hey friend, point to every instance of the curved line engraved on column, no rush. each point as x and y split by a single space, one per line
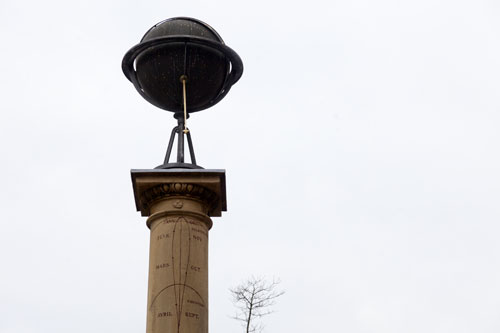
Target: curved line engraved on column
173 285
187 263
173 276
179 285
165 218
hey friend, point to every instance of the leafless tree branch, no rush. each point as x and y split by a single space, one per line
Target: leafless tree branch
253 299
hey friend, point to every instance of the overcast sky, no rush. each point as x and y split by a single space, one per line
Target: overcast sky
361 148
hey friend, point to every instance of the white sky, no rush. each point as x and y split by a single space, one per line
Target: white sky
362 155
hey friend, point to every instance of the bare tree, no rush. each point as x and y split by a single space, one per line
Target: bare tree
254 299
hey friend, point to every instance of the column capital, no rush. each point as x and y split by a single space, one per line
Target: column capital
151 185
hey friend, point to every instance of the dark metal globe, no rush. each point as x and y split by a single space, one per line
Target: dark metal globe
176 47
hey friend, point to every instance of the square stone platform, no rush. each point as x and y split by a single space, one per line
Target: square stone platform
212 179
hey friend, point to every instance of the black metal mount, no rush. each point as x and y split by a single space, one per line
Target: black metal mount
182 47
179 132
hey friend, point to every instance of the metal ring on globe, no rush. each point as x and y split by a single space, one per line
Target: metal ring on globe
155 65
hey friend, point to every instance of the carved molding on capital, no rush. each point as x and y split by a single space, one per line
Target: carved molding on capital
158 192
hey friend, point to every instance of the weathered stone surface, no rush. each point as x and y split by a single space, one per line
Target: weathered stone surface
178 205
150 183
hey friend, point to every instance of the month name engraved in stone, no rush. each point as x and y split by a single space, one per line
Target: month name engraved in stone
193 222
198 238
192 315
168 221
195 268
164 314
199 231
195 302
160 266
163 236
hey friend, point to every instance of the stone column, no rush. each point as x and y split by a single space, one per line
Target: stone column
179 204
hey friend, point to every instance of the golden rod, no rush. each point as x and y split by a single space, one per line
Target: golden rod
183 80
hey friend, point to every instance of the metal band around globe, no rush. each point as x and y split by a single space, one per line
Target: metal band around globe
232 76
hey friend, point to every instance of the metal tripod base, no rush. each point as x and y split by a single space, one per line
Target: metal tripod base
180 164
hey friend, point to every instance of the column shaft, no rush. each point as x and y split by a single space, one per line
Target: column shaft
179 205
